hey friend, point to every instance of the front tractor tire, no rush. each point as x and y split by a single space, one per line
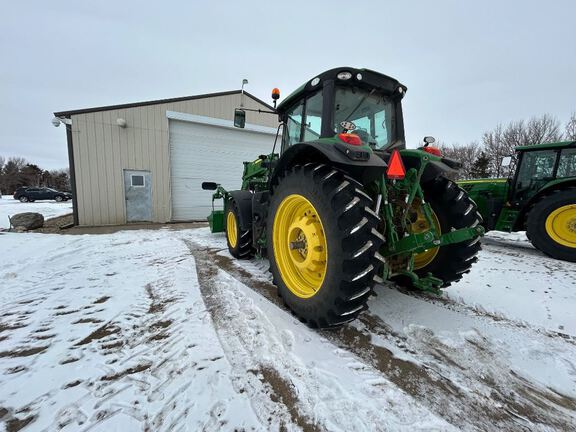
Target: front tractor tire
239 241
452 209
551 225
322 244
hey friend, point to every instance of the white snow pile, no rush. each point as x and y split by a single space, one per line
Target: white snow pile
49 209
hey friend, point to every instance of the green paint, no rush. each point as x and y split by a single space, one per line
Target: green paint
216 221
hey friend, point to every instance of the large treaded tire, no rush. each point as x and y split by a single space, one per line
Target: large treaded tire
536 224
352 239
244 248
454 210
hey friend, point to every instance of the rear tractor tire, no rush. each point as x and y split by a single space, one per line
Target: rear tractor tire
453 209
322 244
239 241
551 225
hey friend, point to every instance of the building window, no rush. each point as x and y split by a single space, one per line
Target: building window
137 180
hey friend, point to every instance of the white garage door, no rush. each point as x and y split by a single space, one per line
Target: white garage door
207 152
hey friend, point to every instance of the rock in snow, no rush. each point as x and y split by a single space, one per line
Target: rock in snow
27 221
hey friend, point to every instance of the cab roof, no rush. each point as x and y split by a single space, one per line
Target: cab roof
363 76
560 145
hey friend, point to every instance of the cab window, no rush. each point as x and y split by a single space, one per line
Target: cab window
313 113
537 165
369 110
294 124
567 165
304 120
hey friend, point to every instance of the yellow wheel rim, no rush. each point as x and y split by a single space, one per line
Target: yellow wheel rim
231 229
421 225
561 225
300 248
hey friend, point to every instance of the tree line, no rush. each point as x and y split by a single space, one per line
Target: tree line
17 171
482 159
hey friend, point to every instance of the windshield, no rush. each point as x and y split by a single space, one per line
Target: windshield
370 111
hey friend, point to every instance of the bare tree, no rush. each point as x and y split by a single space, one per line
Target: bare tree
501 141
570 129
466 154
544 129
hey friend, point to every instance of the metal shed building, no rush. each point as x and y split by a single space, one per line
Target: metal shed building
145 162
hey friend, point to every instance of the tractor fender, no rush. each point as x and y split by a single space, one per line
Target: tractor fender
553 186
360 164
435 167
447 167
243 200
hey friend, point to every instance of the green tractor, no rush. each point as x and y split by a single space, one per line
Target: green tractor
539 198
344 204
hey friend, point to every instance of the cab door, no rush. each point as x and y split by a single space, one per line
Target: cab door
536 168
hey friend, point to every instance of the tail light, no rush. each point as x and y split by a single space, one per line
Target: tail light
432 150
351 139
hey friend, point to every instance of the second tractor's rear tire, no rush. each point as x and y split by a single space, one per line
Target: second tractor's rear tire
322 244
453 210
551 225
239 241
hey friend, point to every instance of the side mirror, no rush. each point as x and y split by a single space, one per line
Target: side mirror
209 186
506 161
239 118
429 140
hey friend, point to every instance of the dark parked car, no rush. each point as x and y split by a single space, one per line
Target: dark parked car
31 194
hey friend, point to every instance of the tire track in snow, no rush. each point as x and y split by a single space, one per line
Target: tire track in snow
314 384
505 400
272 397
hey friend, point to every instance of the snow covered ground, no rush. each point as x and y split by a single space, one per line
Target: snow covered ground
162 330
49 209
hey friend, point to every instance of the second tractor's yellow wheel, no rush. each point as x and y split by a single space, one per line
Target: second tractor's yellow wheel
551 224
561 225
300 246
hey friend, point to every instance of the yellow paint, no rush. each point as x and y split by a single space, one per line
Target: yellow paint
300 247
561 225
231 229
420 225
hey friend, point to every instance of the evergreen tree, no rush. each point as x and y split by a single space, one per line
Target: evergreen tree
481 166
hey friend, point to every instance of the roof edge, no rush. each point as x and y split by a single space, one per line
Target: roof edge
67 114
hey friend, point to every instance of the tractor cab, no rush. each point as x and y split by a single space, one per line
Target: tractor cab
540 165
355 106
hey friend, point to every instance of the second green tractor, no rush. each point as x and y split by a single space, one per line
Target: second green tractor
344 204
539 197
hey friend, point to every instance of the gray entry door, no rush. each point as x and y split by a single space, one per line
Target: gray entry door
138 194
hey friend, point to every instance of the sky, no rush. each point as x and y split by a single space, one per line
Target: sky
468 65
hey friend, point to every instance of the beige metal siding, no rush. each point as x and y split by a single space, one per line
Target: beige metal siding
102 150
